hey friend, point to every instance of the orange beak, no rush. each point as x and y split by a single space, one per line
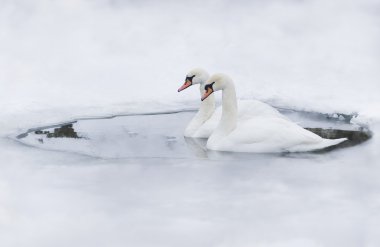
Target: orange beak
185 85
207 93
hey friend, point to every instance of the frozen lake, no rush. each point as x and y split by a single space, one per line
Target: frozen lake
134 179
174 193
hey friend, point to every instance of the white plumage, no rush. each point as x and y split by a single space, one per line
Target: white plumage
207 118
265 131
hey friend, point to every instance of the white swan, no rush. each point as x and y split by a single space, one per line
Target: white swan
207 118
199 126
261 133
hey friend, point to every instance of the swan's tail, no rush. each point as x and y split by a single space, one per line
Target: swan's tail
318 146
332 142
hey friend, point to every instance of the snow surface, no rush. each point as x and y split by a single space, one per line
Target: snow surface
66 59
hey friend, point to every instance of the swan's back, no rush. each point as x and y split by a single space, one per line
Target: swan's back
246 110
269 134
254 108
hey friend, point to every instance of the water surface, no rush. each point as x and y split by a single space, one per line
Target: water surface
161 135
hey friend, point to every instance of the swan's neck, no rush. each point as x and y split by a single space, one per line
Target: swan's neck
229 117
204 113
229 110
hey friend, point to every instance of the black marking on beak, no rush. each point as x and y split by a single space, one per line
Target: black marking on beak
208 91
188 83
190 78
209 86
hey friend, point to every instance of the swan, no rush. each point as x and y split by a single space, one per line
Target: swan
201 126
258 134
207 118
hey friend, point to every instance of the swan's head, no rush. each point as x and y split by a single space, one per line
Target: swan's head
215 83
195 76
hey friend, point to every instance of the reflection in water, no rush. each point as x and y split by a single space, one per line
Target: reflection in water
197 146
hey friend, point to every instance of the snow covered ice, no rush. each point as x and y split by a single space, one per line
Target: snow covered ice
64 60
